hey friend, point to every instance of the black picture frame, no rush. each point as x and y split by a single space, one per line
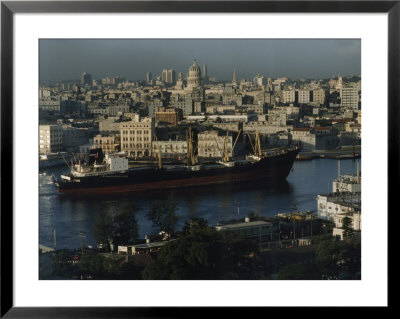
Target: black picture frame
9 8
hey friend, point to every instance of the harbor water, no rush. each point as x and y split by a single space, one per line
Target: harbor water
65 216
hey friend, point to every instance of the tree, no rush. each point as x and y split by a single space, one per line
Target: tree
120 227
347 225
125 226
163 215
327 258
61 265
299 271
252 216
194 224
205 254
92 265
102 229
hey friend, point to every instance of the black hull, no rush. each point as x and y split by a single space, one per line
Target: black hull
264 171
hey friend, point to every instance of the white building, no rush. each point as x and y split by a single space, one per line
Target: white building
355 218
256 230
331 205
288 96
194 76
50 139
212 145
347 183
136 137
169 148
349 96
303 96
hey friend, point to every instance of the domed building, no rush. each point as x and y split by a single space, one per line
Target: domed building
194 76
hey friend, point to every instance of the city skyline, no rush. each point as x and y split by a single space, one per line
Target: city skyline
293 58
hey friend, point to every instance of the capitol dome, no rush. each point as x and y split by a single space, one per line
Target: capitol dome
194 76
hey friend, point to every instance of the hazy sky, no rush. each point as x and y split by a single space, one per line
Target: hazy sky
297 58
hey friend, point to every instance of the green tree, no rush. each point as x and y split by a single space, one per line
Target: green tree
120 227
103 229
163 215
327 258
205 254
299 271
194 224
92 265
252 216
347 225
61 263
125 226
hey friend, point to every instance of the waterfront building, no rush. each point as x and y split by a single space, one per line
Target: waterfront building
331 205
148 247
316 138
169 148
347 183
212 145
355 224
136 137
106 143
50 139
256 230
73 138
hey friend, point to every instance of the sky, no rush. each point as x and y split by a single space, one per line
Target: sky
67 59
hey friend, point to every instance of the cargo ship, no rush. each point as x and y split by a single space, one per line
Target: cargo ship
112 174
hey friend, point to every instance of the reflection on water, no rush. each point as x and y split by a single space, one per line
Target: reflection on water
69 214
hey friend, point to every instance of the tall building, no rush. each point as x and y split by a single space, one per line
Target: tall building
86 79
349 96
318 96
205 75
149 77
168 76
259 80
194 76
303 96
50 139
288 96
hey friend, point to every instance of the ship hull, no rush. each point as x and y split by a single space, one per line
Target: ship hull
264 171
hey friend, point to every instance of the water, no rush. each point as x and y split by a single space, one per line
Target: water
69 215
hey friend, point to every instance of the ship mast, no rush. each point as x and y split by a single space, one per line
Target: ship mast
159 158
257 144
190 155
226 153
